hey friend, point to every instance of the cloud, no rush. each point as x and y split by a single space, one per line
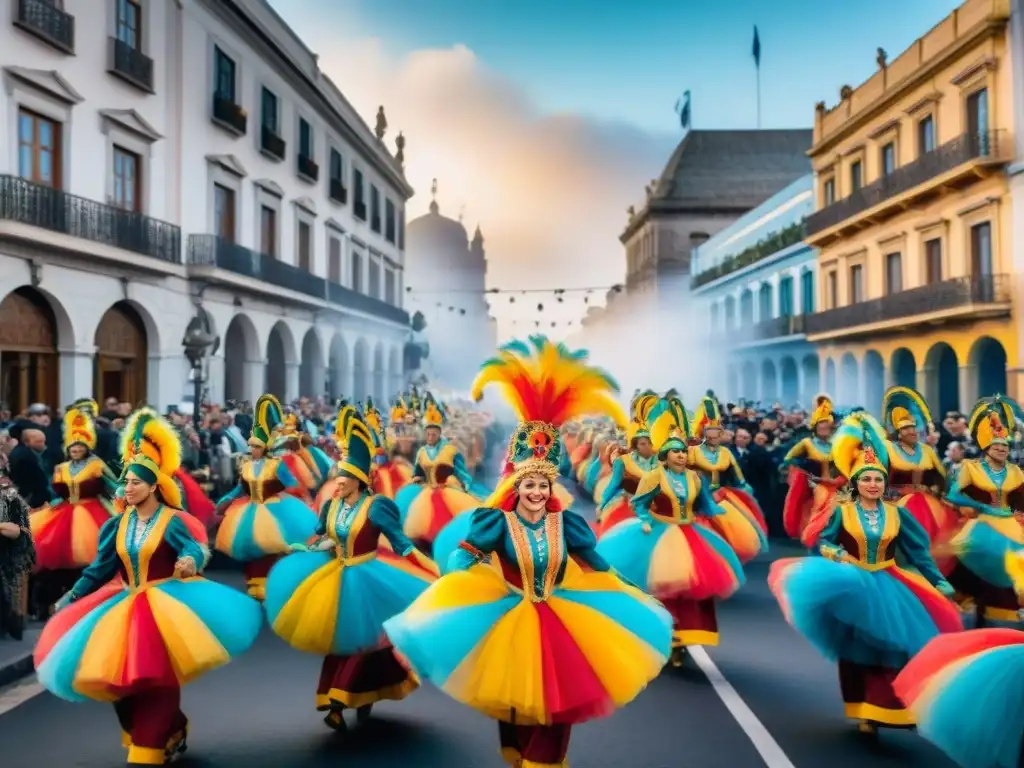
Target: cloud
549 191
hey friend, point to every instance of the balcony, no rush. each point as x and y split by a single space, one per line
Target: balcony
270 143
959 298
212 251
375 224
338 192
778 327
359 209
768 246
230 116
48 23
34 205
953 164
131 65
307 168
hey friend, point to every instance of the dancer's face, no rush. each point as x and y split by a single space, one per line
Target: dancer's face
534 492
433 435
347 486
77 452
675 460
908 435
871 484
712 436
136 490
823 430
258 451
999 452
644 447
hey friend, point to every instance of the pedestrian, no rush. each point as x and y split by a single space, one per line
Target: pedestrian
17 556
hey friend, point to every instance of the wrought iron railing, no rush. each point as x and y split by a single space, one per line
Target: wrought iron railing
47 22
51 209
131 64
338 192
942 159
936 297
227 112
271 143
308 167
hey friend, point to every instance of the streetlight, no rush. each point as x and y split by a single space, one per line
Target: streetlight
199 342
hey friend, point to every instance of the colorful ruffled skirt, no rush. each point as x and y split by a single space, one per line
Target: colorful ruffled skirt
195 500
808 505
251 530
966 694
117 641
389 478
618 511
425 510
587 650
979 572
938 519
848 613
318 604
66 535
741 523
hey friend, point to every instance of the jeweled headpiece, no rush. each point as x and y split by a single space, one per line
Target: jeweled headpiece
860 444
904 407
993 420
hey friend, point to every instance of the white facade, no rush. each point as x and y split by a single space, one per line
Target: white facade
333 324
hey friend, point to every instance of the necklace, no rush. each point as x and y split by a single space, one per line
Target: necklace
538 534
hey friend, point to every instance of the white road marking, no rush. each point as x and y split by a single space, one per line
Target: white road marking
18 693
759 736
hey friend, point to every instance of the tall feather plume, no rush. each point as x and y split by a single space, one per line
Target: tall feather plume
356 429
543 381
1007 408
858 431
268 413
341 424
147 426
706 413
912 402
642 406
681 416
663 422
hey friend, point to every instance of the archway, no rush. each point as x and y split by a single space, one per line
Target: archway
278 358
748 388
874 381
790 381
988 359
361 370
396 374
903 368
849 381
811 368
769 382
29 370
731 381
241 352
311 369
122 356
942 383
830 378
338 372
379 374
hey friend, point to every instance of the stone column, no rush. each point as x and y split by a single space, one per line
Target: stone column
254 379
167 379
928 385
291 382
215 367
76 374
968 375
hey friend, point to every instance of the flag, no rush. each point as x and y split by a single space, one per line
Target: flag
757 48
683 110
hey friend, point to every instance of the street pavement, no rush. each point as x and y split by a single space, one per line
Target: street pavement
763 698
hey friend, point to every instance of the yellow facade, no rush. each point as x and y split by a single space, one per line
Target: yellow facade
913 221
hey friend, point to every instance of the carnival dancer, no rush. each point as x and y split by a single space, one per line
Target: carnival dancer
308 464
261 520
964 690
138 639
741 522
853 603
533 629
916 475
812 477
440 484
66 532
390 473
332 599
405 433
664 550
991 491
628 467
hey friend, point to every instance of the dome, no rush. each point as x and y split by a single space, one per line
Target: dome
433 230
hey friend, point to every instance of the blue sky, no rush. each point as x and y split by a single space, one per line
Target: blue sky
631 60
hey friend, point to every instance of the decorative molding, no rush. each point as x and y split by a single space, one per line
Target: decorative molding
336 225
932 224
131 121
49 82
229 163
270 186
306 204
989 63
359 242
854 150
979 205
891 238
885 128
925 101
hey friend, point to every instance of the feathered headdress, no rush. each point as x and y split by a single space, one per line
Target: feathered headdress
151 450
993 420
398 411
414 401
87 404
79 429
823 411
706 417
904 407
267 417
433 416
372 416
359 447
546 384
641 409
669 425
860 444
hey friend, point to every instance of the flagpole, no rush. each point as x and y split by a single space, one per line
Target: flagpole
758 68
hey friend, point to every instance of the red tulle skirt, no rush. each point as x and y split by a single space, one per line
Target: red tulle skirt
66 535
808 506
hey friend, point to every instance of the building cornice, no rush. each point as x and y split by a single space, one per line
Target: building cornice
660 209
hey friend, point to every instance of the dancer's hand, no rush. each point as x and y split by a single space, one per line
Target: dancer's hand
186 567
299 548
646 528
945 588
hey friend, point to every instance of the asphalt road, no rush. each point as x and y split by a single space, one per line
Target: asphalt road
258 713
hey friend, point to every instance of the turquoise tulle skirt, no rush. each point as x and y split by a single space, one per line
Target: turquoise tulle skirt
966 694
320 605
117 641
449 539
251 530
982 544
875 618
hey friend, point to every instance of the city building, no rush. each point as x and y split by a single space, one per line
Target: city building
914 220
1016 178
753 285
137 186
447 283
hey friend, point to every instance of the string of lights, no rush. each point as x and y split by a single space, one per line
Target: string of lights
559 295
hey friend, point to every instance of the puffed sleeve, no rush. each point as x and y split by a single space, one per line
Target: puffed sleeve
798 451
181 541
913 540
285 475
614 482
385 515
581 541
461 471
958 497
104 567
646 492
828 539
486 532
